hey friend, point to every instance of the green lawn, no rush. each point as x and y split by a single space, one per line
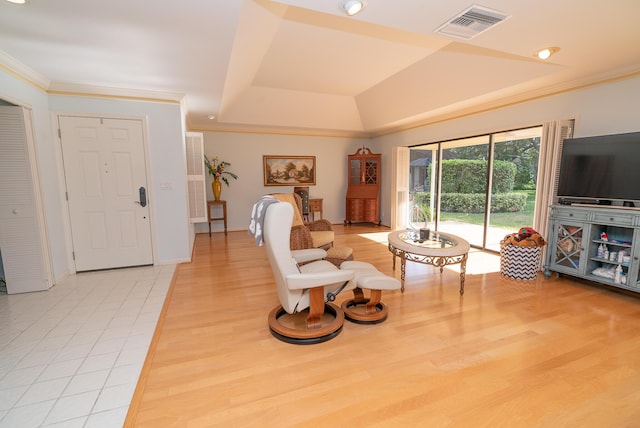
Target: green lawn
511 220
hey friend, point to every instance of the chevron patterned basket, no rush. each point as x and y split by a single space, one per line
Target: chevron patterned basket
520 262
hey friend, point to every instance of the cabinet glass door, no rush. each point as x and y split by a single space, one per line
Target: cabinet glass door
568 245
371 172
354 171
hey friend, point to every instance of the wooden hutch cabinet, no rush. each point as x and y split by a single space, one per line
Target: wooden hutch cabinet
363 191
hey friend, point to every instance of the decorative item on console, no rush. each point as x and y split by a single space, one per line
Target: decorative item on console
569 245
216 169
612 262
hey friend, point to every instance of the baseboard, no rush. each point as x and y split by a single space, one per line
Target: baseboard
62 277
172 262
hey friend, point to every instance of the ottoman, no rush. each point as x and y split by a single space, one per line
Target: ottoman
370 310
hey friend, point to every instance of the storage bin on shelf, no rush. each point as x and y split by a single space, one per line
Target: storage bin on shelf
520 254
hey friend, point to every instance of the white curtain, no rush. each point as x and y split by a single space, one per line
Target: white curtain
400 188
553 135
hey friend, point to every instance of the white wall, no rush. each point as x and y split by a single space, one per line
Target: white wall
170 220
599 110
245 151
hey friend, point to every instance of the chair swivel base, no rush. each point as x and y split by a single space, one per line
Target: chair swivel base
291 328
361 312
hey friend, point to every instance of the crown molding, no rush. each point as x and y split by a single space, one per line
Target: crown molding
21 71
71 89
277 130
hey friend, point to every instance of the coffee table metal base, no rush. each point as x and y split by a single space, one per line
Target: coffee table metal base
438 261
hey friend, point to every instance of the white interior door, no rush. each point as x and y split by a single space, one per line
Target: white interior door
105 173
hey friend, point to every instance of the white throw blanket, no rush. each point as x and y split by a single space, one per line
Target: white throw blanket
257 217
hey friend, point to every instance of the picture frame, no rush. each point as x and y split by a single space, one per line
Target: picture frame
289 170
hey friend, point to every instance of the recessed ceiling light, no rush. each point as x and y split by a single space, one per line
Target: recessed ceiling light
17 1
211 117
353 6
546 52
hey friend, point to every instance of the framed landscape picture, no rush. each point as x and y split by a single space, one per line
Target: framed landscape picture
289 170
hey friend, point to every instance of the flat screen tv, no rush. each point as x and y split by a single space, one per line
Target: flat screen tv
602 170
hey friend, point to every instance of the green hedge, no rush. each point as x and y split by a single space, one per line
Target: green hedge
463 187
474 202
470 176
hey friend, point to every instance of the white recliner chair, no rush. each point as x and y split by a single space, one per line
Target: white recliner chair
305 314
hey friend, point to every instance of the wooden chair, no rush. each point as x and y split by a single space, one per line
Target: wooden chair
303 192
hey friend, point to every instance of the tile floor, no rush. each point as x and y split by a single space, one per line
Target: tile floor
71 356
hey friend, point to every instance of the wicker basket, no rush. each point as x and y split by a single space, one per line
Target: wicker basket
520 262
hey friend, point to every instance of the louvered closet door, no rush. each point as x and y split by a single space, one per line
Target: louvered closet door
196 177
22 239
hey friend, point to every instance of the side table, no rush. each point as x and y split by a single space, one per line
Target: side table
224 214
315 204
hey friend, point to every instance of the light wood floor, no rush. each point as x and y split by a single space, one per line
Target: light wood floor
543 353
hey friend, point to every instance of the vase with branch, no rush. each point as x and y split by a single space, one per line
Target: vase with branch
217 169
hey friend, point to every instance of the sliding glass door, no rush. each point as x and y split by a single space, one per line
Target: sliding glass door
514 184
423 180
463 195
480 188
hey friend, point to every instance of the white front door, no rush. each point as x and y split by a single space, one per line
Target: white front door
105 173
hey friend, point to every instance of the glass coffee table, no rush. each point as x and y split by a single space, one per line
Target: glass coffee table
441 249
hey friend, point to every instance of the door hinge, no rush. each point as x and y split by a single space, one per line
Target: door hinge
66 195
59 133
73 254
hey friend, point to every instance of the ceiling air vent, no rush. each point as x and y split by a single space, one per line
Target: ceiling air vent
471 22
